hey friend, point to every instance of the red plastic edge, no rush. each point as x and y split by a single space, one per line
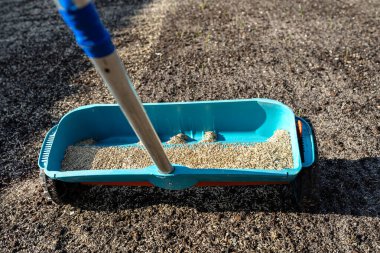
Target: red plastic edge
200 184
119 183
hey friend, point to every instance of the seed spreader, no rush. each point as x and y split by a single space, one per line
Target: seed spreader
128 122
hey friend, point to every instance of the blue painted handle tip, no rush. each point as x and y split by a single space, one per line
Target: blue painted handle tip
88 30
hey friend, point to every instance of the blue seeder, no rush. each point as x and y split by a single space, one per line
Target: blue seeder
123 124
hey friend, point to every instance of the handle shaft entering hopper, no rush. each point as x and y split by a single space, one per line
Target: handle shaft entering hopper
93 38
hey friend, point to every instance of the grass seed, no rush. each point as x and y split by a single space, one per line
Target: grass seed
276 153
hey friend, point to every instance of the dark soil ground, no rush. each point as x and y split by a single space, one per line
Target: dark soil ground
322 58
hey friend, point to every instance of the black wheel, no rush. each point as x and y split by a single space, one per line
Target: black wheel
58 191
305 187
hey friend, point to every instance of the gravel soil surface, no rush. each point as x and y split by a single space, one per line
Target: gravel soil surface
322 58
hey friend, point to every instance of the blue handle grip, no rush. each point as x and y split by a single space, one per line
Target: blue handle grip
89 31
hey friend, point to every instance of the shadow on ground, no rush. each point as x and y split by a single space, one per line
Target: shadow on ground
347 187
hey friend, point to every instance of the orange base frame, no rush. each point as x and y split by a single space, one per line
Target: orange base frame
200 184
